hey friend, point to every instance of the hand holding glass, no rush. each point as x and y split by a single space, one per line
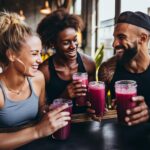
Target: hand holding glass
125 90
81 100
63 133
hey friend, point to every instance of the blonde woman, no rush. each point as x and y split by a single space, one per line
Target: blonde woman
22 87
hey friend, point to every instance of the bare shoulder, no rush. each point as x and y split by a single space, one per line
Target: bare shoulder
44 68
107 69
39 76
1 97
110 62
88 62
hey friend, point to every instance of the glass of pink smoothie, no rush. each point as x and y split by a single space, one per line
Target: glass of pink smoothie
63 133
96 91
81 100
125 90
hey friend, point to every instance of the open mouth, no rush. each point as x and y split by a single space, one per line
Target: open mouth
35 67
119 51
72 53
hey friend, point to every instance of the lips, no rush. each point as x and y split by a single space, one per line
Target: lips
35 67
71 53
119 52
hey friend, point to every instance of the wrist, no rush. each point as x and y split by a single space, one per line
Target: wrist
36 133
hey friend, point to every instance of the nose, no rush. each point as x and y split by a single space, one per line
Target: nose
39 59
73 45
115 43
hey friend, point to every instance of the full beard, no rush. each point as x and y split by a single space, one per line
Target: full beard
128 55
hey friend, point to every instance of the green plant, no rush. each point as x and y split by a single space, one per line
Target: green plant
99 57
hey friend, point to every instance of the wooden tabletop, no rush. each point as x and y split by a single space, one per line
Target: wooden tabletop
110 114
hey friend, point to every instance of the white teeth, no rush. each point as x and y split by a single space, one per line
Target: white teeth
35 67
119 51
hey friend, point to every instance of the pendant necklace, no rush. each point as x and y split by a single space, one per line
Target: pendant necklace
17 92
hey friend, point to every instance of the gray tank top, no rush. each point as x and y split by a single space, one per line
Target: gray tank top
15 114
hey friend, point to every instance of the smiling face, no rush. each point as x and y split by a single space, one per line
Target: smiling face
30 56
67 44
125 42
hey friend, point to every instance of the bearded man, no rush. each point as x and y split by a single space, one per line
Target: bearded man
131 62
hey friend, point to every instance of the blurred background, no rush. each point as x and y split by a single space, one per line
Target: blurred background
99 17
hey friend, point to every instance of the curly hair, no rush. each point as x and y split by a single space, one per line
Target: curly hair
13 32
51 25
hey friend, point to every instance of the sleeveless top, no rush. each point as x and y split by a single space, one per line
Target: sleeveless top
19 113
142 79
56 85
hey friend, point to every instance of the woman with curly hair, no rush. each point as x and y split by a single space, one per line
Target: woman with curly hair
59 32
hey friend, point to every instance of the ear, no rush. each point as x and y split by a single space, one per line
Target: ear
143 38
10 55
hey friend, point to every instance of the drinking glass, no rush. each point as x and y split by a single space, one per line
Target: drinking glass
64 132
96 91
125 90
81 100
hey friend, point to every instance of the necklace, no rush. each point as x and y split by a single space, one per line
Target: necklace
18 92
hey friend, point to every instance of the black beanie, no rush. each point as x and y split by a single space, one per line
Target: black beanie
138 18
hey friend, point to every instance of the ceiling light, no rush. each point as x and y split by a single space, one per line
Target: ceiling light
46 9
21 14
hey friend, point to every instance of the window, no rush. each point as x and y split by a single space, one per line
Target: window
134 5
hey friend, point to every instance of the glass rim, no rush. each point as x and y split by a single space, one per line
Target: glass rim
80 73
124 83
63 101
93 82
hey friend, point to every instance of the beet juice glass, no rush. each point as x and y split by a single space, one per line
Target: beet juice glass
125 90
81 100
96 91
63 133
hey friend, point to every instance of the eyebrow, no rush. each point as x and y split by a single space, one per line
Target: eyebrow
120 34
36 50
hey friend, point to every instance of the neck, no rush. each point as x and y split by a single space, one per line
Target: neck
139 64
65 62
14 83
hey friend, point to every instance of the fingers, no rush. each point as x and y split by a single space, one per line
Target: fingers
62 121
139 113
61 115
76 88
80 89
94 117
113 103
47 108
137 120
88 103
90 111
141 105
59 123
54 111
138 99
59 118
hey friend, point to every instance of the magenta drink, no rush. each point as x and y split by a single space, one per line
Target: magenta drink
125 90
96 90
63 133
81 100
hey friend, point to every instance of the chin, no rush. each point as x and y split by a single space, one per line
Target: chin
32 73
119 55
